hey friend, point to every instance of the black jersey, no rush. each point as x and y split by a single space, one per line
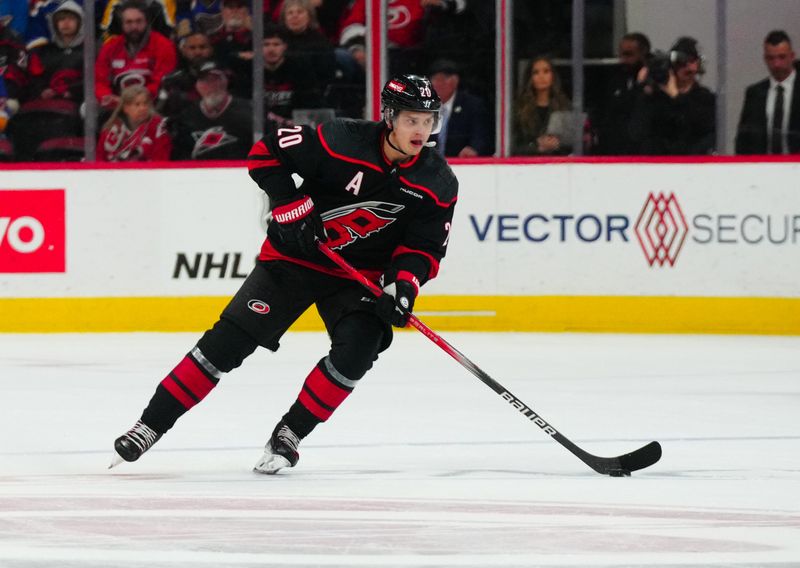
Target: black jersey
376 214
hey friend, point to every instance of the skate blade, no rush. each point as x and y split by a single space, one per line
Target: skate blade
116 460
271 464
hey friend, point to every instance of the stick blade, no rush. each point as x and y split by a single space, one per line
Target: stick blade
620 466
643 457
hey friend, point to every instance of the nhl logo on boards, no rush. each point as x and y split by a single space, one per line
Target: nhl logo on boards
258 306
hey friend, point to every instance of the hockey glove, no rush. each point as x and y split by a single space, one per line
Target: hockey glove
299 226
400 289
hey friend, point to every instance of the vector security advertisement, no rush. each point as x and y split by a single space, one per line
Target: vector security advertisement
612 247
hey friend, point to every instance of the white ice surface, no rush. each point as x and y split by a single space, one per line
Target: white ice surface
422 466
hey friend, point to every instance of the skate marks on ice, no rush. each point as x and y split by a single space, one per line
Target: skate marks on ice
159 530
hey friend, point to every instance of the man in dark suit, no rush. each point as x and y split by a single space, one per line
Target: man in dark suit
770 120
614 117
465 120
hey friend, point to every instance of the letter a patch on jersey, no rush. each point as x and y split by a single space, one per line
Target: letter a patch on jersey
355 183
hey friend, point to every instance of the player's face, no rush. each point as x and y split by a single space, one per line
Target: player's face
779 59
412 130
542 76
137 110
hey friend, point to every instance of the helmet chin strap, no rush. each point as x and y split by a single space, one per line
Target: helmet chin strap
389 141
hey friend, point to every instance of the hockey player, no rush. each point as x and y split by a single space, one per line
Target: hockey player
375 192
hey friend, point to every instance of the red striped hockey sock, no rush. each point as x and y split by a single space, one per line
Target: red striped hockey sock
186 385
322 393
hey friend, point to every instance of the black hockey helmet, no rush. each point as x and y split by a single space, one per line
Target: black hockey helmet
409 92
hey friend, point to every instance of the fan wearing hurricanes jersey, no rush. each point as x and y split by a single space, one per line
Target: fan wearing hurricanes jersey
218 126
378 194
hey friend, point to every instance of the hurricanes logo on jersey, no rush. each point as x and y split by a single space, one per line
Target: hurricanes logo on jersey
344 225
398 16
211 139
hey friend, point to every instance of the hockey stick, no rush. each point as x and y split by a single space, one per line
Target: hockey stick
616 467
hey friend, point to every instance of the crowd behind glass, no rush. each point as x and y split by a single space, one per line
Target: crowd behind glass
174 80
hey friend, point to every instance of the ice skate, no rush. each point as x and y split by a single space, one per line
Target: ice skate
280 451
133 443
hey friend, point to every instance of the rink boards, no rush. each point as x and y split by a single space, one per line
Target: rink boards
651 247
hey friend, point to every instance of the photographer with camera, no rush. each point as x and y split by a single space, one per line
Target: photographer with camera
673 114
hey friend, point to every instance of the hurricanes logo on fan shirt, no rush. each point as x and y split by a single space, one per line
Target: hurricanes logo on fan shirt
398 16
132 78
62 80
210 139
346 224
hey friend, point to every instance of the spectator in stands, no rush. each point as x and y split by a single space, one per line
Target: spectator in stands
39 31
406 33
614 121
134 133
50 112
288 84
770 119
140 56
676 115
56 68
540 99
13 79
178 88
218 126
13 61
329 14
194 48
465 121
233 44
306 41
160 15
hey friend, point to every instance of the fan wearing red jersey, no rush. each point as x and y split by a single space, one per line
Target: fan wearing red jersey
377 193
